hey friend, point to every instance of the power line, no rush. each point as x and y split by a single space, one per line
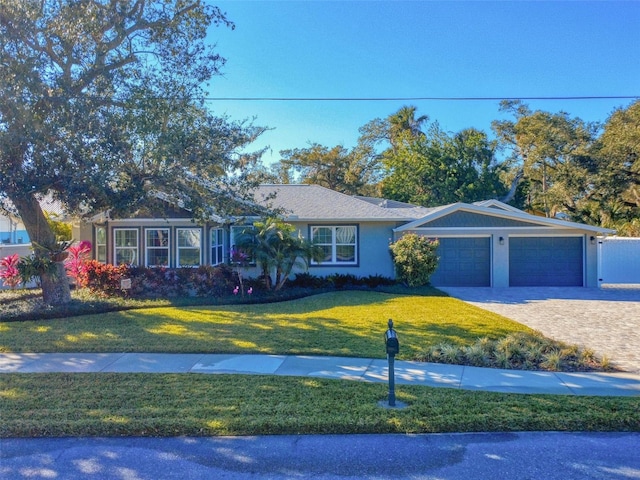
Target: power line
411 99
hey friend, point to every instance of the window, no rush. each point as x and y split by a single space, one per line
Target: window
217 246
237 232
157 247
126 246
189 247
339 243
101 244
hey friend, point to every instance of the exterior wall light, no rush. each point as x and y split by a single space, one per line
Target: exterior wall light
501 240
592 239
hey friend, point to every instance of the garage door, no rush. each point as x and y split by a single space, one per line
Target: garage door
545 262
464 262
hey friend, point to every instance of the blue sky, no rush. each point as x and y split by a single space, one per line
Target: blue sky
374 49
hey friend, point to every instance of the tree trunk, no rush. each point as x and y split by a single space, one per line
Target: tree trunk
55 285
514 187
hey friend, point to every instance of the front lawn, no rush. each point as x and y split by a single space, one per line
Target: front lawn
104 404
343 323
349 323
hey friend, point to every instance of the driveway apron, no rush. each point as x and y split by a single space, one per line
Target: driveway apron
606 320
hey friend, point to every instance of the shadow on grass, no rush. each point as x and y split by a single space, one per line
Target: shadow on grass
346 323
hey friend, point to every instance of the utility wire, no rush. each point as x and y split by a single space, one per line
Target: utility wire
403 99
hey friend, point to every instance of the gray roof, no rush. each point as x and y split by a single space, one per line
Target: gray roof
313 202
494 208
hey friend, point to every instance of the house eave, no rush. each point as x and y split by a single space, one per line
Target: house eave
516 215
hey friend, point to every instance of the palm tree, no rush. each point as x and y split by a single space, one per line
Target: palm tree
404 122
271 243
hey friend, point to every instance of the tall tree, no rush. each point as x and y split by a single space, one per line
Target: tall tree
437 168
545 154
404 122
393 129
101 106
277 250
354 172
614 168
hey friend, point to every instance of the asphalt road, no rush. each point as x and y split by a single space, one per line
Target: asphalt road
522 456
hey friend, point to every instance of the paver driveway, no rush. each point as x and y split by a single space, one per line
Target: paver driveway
607 320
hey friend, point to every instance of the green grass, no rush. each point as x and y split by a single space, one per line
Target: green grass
349 323
37 405
344 323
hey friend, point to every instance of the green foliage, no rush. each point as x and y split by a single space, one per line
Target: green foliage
517 351
614 170
342 280
211 281
353 172
548 150
273 245
62 230
415 259
103 278
101 107
205 281
33 267
436 168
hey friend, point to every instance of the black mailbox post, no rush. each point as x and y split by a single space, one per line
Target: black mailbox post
393 348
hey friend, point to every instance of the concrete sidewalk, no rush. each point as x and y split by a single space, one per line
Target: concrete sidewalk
343 368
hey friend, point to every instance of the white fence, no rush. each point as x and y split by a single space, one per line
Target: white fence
618 261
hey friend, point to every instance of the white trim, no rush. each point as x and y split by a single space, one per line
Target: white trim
496 204
136 248
558 234
213 234
143 221
455 235
492 212
147 247
105 245
178 247
334 245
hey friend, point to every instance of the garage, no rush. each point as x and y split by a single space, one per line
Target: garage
546 262
464 262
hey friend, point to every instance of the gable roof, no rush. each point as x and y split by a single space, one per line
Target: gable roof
494 208
315 203
497 204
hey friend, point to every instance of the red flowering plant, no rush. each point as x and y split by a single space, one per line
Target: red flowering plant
9 272
76 263
103 278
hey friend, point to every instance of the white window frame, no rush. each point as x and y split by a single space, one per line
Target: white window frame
148 248
335 243
217 245
101 246
180 248
134 249
237 230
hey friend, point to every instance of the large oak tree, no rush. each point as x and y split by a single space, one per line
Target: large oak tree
101 106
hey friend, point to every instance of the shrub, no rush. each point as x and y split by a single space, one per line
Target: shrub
519 351
415 259
9 272
341 280
103 278
212 281
159 282
306 280
374 281
77 260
